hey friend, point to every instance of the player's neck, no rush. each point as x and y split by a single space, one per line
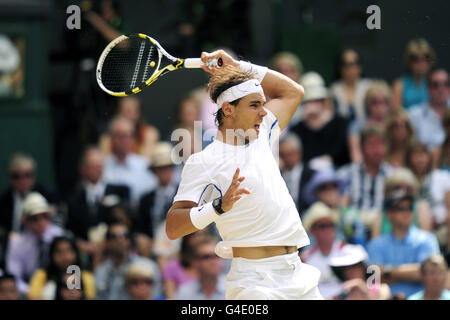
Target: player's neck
229 136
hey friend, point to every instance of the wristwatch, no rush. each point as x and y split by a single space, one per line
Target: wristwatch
217 205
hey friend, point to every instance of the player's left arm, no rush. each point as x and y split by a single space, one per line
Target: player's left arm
285 96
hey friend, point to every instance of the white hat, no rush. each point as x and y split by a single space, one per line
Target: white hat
314 86
319 211
349 255
162 155
35 203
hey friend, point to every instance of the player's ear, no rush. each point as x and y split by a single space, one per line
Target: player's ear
228 109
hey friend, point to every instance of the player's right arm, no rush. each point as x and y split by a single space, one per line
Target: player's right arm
178 221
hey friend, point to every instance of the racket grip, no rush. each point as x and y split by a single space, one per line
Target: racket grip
198 63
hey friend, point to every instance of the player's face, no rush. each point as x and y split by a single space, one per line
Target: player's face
249 114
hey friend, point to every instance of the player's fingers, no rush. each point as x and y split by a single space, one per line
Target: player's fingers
242 190
236 174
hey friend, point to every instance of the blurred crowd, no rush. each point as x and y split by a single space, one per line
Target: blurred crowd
366 162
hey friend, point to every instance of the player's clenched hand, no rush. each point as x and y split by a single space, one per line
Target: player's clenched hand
218 54
234 193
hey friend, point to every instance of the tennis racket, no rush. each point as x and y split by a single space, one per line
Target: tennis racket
132 62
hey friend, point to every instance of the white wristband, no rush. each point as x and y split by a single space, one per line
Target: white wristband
260 71
203 216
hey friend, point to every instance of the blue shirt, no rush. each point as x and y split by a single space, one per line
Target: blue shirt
413 94
445 295
415 247
428 125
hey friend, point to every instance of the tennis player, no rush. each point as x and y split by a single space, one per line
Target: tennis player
236 183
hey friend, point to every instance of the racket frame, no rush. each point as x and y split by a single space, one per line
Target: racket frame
176 63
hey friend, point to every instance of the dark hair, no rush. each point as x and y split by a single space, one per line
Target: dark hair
222 80
53 271
339 271
339 61
219 115
7 276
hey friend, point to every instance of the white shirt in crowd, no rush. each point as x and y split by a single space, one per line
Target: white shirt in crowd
292 179
267 216
439 185
134 173
329 284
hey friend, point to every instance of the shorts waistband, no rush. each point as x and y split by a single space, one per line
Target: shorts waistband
280 261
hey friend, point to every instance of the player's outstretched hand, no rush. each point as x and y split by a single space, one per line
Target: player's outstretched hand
218 54
234 193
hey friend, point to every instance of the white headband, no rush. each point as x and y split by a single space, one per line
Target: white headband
238 91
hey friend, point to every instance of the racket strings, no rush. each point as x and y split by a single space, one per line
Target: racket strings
129 64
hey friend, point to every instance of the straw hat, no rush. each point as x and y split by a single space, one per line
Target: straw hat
162 155
34 204
319 211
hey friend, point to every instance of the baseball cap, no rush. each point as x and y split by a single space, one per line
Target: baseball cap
350 254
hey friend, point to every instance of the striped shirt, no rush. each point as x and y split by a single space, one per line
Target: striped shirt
365 192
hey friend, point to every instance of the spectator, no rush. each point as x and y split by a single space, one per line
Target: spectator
187 135
434 274
8 288
366 179
30 249
211 283
154 205
349 91
110 275
377 102
145 136
125 167
434 184
291 66
427 116
179 271
400 252
323 133
64 292
350 266
139 281
63 253
328 188
444 159
22 179
403 179
294 172
411 89
401 134
320 221
89 203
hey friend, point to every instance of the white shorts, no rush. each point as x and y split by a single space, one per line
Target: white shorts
283 277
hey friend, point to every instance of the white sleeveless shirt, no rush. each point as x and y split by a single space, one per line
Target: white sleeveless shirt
266 217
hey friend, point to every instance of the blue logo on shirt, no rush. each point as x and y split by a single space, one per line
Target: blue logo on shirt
200 209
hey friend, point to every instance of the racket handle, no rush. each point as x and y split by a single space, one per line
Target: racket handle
198 63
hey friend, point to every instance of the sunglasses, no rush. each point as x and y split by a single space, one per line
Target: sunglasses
111 236
419 58
347 64
207 256
20 176
135 282
401 209
437 84
378 101
327 186
323 226
38 217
